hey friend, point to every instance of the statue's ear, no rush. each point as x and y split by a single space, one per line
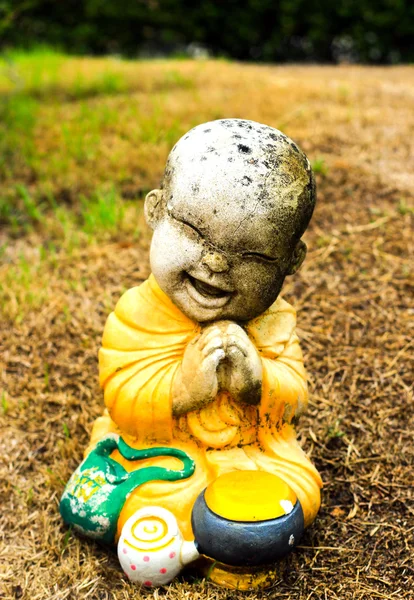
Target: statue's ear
298 257
153 207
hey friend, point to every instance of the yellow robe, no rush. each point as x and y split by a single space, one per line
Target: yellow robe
143 344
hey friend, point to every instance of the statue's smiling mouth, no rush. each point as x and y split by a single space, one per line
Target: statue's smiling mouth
210 291
206 294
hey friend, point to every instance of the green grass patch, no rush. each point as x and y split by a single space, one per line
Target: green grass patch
30 71
26 278
4 403
23 287
17 120
319 166
103 213
40 73
404 208
47 73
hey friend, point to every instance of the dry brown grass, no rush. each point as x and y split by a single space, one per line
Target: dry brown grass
354 295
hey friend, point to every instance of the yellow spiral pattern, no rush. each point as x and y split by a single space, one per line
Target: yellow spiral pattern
149 534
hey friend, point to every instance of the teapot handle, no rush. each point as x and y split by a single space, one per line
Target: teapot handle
134 454
112 442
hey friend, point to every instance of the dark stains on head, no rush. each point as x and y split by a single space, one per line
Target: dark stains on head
279 160
278 137
285 179
244 124
303 213
273 160
274 136
286 164
244 149
168 174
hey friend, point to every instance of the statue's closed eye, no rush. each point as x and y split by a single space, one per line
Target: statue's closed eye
187 224
193 227
259 256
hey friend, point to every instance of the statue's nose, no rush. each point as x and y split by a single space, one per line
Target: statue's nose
216 262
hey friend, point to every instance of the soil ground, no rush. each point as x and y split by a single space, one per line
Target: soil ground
81 142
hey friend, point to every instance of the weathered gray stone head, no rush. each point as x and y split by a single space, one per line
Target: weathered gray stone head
235 200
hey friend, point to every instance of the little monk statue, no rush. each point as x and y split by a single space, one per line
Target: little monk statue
203 357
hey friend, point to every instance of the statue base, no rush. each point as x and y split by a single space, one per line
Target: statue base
240 578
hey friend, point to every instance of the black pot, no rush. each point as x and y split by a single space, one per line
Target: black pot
245 543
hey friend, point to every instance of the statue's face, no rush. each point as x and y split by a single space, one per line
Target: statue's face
235 195
219 260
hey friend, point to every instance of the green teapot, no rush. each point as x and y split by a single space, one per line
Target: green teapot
97 491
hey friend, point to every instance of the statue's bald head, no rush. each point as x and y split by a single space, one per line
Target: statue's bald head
233 164
234 202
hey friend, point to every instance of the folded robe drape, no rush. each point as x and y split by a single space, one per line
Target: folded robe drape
143 344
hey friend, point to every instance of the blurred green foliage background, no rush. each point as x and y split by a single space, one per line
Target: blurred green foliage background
368 31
